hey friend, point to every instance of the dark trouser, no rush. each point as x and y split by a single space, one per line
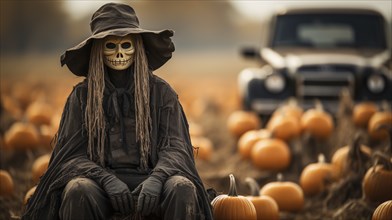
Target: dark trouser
84 199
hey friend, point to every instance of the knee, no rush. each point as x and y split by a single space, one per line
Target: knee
78 187
180 185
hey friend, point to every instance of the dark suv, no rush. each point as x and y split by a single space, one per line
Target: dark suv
316 54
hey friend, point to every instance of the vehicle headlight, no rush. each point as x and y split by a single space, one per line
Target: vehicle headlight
275 83
376 83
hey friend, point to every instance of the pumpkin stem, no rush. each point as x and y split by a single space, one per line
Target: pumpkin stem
385 106
318 105
321 158
279 177
292 101
253 185
380 158
233 188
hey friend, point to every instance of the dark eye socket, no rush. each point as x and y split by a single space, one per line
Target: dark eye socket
126 45
110 45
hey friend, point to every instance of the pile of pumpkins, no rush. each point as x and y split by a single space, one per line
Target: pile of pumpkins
268 150
32 125
267 147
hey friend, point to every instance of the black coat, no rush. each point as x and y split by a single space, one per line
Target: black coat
171 152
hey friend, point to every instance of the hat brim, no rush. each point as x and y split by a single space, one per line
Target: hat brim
158 46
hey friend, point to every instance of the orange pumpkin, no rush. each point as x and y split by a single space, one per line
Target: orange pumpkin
39 113
284 126
362 113
290 109
231 206
266 207
55 121
203 148
6 184
377 184
29 194
288 195
376 121
248 140
313 177
40 166
22 136
383 211
271 154
195 129
317 122
12 106
47 134
240 122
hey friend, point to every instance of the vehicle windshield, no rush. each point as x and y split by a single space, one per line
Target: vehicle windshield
329 31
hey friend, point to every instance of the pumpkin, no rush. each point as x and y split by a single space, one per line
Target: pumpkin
383 211
22 92
341 157
46 135
29 194
314 176
377 184
266 207
203 148
317 122
240 122
290 109
362 113
271 154
55 121
284 126
288 195
6 184
376 121
40 166
22 136
3 146
248 140
195 129
231 206
12 106
39 113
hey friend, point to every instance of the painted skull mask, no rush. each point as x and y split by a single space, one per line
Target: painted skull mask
119 52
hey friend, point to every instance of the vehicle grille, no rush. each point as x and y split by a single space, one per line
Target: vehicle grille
324 83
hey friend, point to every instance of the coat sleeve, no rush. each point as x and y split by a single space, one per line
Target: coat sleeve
175 152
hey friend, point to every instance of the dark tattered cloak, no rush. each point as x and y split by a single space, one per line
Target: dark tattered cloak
171 153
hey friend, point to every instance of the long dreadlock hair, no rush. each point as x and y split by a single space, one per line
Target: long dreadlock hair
94 115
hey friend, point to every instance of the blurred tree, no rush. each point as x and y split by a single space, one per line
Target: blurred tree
31 25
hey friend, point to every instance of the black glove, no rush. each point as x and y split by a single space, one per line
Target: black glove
119 194
149 192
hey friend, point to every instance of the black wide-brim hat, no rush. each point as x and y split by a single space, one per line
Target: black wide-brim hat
119 20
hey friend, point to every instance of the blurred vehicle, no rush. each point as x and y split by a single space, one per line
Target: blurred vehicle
314 54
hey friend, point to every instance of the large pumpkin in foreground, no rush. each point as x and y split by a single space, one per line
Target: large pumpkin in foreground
232 206
383 211
288 195
266 207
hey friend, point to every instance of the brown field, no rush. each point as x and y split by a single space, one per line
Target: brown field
208 92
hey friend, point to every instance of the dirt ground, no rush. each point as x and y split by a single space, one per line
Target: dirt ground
208 100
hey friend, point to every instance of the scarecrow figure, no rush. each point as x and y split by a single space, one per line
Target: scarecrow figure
123 146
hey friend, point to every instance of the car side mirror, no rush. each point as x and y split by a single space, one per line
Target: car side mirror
250 52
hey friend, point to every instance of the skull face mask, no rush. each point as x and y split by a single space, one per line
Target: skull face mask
119 52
